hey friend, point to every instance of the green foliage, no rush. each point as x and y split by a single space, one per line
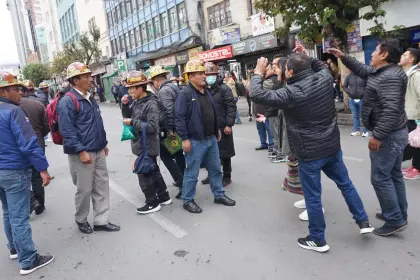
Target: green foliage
86 50
329 17
36 72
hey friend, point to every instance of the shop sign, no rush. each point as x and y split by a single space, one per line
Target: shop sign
262 24
181 57
166 61
354 38
415 36
216 54
121 65
225 35
193 53
268 41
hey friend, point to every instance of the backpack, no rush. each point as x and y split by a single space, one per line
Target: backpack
53 117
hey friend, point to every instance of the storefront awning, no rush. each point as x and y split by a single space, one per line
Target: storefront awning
109 75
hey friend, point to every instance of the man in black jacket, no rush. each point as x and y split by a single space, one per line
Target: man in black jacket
383 114
167 93
355 88
314 138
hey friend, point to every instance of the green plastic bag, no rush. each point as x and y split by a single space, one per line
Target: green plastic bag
127 133
172 145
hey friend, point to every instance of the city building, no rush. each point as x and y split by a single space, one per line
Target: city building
16 8
67 18
51 30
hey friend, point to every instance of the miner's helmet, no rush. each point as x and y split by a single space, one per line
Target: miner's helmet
211 68
157 71
29 84
194 65
76 69
43 85
8 79
136 78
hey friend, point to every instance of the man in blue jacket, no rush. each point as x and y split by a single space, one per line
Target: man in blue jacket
86 144
19 151
196 123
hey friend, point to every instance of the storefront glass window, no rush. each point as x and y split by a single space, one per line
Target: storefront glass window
219 14
173 20
182 14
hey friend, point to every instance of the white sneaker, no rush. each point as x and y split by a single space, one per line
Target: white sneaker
300 204
356 133
304 215
365 134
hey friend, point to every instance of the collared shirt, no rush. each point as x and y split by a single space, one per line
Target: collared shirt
411 70
85 96
207 113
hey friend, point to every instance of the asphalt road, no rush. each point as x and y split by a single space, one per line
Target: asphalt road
254 240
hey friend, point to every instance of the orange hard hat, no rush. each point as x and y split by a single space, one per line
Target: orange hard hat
211 68
136 78
7 79
77 69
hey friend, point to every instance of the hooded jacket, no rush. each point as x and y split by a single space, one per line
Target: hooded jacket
354 86
167 96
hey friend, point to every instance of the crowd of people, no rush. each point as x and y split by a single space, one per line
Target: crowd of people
293 103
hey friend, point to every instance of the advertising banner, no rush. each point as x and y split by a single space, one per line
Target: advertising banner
166 61
216 54
225 35
268 41
262 24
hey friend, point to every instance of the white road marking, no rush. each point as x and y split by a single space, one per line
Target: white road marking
257 142
158 218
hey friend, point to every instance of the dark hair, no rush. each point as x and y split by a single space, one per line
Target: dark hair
281 63
393 48
144 87
71 80
277 56
415 53
298 62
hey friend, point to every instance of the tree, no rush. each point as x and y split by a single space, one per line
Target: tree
86 50
36 72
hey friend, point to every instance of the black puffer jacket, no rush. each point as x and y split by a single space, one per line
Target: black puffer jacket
42 97
354 86
384 101
167 96
310 113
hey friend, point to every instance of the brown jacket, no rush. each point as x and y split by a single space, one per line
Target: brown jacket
35 111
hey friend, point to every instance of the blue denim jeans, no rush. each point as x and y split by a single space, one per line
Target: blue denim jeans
264 131
204 152
310 178
15 194
356 110
387 178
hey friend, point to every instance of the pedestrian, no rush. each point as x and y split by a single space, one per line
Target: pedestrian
314 138
225 106
143 114
248 100
409 62
86 145
230 80
196 123
35 111
384 114
114 90
335 72
19 151
354 86
42 93
167 92
100 91
123 91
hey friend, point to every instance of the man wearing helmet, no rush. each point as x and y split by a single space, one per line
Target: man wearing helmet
144 114
86 145
42 93
167 93
196 123
19 150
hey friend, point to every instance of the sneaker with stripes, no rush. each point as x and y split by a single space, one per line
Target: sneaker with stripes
308 244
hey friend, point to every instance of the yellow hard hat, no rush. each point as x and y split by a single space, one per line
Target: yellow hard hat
28 84
194 65
77 69
7 79
43 85
157 71
136 78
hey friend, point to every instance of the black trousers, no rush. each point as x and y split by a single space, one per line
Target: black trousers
116 98
226 166
411 152
38 192
248 99
174 163
153 185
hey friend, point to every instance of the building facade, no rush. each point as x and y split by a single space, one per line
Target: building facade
16 8
52 42
67 19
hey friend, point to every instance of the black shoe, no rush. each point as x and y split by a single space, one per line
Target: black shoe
85 227
225 201
387 229
149 208
205 181
40 261
108 228
226 181
365 227
261 148
381 217
250 119
308 244
39 209
192 207
179 195
13 254
272 154
34 204
166 201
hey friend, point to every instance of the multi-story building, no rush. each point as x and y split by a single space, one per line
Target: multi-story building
67 18
51 28
147 32
17 9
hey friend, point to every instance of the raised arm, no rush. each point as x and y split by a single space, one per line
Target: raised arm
280 98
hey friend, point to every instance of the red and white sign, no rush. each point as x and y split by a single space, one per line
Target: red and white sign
216 54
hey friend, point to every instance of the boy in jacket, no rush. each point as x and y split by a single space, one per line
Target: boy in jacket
145 108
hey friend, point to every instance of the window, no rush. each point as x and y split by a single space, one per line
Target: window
132 40
109 18
122 8
134 5
251 8
156 27
219 14
91 23
173 20
165 24
51 36
144 34
146 2
138 36
127 41
128 7
182 15
113 47
150 36
122 48
116 14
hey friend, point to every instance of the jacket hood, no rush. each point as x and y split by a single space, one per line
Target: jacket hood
217 84
300 76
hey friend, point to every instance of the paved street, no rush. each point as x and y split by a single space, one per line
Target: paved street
254 240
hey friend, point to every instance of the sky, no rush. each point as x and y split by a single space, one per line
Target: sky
8 51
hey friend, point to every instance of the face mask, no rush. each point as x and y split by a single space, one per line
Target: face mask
211 79
175 83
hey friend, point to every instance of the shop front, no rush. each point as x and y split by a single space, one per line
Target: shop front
219 56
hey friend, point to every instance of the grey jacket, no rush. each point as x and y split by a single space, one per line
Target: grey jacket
145 109
167 96
354 86
43 97
383 105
